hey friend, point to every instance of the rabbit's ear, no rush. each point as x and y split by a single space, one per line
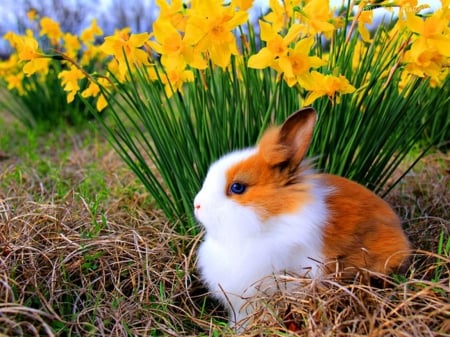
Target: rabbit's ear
296 132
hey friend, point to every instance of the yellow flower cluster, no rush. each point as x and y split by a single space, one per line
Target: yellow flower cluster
290 56
429 52
291 28
426 53
79 55
202 33
192 36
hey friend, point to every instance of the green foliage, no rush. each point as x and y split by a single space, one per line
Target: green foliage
370 132
437 129
183 134
444 251
43 103
365 136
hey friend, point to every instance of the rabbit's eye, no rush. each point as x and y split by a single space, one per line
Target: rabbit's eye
237 188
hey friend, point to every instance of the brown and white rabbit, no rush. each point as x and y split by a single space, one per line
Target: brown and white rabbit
266 211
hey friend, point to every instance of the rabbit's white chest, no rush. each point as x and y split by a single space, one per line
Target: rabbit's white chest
240 252
234 267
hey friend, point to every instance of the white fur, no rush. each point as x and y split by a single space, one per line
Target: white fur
239 250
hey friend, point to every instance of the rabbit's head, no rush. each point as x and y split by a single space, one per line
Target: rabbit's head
245 189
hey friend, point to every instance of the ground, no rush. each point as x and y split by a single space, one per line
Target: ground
83 251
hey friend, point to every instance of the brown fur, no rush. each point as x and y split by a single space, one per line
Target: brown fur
264 193
362 231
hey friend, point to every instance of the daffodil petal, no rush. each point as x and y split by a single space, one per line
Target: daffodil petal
261 60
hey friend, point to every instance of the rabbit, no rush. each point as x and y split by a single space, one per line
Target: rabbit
265 211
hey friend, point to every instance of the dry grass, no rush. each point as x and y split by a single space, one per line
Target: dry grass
83 252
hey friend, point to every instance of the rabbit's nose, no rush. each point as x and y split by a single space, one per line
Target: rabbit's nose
197 203
197 207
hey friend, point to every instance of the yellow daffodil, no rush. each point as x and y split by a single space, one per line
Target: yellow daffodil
88 35
433 31
439 80
174 50
445 8
15 82
429 52
365 17
173 13
320 85
409 7
152 74
40 65
298 62
405 3
91 52
123 33
279 14
318 17
423 60
405 80
8 66
243 4
277 47
72 44
101 103
14 39
209 29
175 78
27 50
126 49
113 67
93 90
51 29
10 37
70 81
33 14
357 52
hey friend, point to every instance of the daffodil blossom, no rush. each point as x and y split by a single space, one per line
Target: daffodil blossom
70 81
28 51
88 35
320 85
277 47
93 90
209 29
127 50
317 17
51 29
174 50
299 63
175 78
